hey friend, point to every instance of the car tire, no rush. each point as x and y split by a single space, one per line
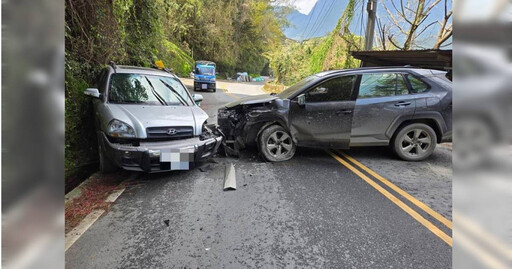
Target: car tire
106 165
276 144
414 142
214 90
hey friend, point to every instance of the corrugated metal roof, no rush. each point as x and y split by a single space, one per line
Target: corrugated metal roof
433 59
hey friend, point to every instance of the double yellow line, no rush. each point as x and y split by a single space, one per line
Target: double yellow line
418 217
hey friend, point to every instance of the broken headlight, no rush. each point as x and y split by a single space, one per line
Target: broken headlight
225 113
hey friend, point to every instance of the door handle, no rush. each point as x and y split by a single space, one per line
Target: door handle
345 111
402 103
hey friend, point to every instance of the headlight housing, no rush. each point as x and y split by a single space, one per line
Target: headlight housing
117 128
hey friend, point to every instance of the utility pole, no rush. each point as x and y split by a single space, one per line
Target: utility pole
371 8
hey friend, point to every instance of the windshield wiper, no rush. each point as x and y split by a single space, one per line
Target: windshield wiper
127 102
158 96
180 98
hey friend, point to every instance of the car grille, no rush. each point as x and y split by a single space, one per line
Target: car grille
170 132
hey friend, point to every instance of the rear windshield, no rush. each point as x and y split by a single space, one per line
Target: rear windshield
149 90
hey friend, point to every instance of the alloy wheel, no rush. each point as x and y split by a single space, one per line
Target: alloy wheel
279 144
416 143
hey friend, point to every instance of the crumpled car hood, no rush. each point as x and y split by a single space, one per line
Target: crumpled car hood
256 99
141 117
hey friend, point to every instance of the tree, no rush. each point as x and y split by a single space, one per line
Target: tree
446 30
410 19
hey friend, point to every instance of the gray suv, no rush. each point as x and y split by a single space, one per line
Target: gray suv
409 109
147 121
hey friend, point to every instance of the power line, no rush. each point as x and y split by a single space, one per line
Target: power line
362 22
357 23
316 20
307 25
327 13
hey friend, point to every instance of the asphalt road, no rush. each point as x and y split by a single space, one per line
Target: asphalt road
311 211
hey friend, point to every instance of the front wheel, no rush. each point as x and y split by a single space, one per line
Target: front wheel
276 144
415 142
106 165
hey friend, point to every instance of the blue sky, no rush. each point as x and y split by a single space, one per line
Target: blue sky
305 6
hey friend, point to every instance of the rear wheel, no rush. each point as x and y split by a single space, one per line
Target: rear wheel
415 142
276 144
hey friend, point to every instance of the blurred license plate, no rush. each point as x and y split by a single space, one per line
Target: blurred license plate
204 86
176 159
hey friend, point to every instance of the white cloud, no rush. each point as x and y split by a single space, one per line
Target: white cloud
304 6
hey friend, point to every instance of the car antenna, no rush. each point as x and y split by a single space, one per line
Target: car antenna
114 66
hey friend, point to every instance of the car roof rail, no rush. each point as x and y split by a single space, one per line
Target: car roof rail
114 66
168 70
413 66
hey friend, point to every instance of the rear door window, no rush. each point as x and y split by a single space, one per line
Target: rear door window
382 85
417 85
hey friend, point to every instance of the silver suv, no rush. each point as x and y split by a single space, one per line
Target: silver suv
146 120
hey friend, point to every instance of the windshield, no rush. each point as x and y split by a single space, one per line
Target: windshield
205 70
295 87
150 90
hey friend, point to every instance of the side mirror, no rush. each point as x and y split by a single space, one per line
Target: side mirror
93 92
198 98
301 100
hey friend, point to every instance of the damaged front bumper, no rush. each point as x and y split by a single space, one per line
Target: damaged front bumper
162 156
231 124
241 126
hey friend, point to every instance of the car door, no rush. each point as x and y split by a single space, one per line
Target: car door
383 99
324 119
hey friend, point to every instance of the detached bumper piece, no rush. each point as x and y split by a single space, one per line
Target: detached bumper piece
162 155
230 178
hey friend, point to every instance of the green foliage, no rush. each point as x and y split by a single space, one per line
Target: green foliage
176 58
80 135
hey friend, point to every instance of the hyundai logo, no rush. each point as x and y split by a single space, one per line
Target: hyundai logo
171 131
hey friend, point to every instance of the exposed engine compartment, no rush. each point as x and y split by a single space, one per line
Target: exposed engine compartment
242 123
